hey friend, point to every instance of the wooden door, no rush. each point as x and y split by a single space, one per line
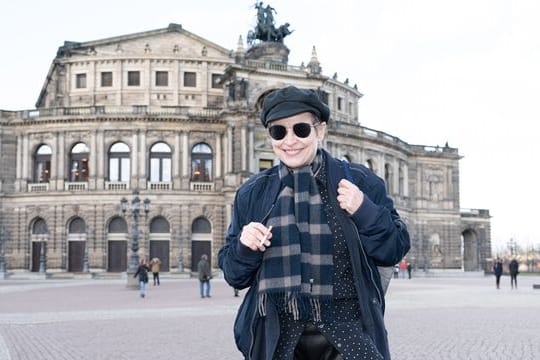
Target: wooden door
160 249
117 261
76 255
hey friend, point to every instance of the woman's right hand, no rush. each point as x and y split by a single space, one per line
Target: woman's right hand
256 236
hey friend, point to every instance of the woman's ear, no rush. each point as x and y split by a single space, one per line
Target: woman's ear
321 131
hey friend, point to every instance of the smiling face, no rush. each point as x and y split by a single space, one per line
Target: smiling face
294 151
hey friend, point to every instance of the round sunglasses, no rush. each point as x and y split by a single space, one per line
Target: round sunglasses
301 130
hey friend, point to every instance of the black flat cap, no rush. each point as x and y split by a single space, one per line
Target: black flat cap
291 101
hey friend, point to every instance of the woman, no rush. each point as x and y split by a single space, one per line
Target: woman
498 270
306 237
142 272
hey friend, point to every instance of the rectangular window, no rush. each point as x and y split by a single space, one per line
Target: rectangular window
162 78
106 79
80 81
216 81
113 170
190 79
124 170
340 103
265 164
166 175
155 166
134 78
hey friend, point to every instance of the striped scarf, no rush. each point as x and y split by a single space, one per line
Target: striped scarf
297 269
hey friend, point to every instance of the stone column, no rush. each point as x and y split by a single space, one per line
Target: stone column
93 168
176 162
101 154
25 158
61 163
243 147
18 185
250 148
142 160
229 154
134 159
185 160
219 155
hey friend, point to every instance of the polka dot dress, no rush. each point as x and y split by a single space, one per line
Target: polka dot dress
341 324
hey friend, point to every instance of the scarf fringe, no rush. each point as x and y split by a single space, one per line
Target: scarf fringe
299 306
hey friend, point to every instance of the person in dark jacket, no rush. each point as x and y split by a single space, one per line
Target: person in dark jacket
142 273
205 274
498 270
306 237
513 268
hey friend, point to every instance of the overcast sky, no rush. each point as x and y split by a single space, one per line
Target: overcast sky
466 72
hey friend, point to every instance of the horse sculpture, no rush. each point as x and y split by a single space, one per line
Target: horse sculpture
265 30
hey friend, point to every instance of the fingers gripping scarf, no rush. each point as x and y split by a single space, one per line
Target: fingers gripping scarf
297 269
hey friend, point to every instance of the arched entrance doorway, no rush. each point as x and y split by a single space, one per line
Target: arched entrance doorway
201 232
471 251
117 239
39 237
76 244
160 239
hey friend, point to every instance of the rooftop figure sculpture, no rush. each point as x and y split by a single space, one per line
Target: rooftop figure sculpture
265 29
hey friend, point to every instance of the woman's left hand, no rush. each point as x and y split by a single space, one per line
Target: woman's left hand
350 197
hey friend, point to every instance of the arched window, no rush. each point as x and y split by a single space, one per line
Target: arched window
78 169
40 227
201 226
118 226
119 162
42 164
369 164
77 226
160 162
388 177
401 182
201 163
160 225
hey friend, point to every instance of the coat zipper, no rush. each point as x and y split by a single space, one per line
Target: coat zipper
366 260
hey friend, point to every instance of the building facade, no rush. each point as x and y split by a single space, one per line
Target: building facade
172 118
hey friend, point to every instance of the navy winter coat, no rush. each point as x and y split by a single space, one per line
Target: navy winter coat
375 235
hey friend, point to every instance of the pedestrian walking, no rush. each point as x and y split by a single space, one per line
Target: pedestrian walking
513 267
409 270
306 237
403 268
142 273
498 270
205 274
155 266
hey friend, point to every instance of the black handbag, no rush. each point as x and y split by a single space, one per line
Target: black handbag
314 346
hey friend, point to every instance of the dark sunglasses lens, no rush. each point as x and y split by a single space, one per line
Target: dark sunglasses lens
302 130
277 132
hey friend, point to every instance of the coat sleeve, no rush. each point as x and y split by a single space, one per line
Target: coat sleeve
382 232
238 262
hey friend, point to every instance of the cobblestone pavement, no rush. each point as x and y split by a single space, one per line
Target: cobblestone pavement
427 318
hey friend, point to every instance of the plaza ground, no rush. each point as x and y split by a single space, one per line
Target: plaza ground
427 318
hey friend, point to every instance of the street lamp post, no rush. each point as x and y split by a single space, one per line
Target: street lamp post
512 246
135 210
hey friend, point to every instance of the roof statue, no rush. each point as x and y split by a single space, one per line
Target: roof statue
265 29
